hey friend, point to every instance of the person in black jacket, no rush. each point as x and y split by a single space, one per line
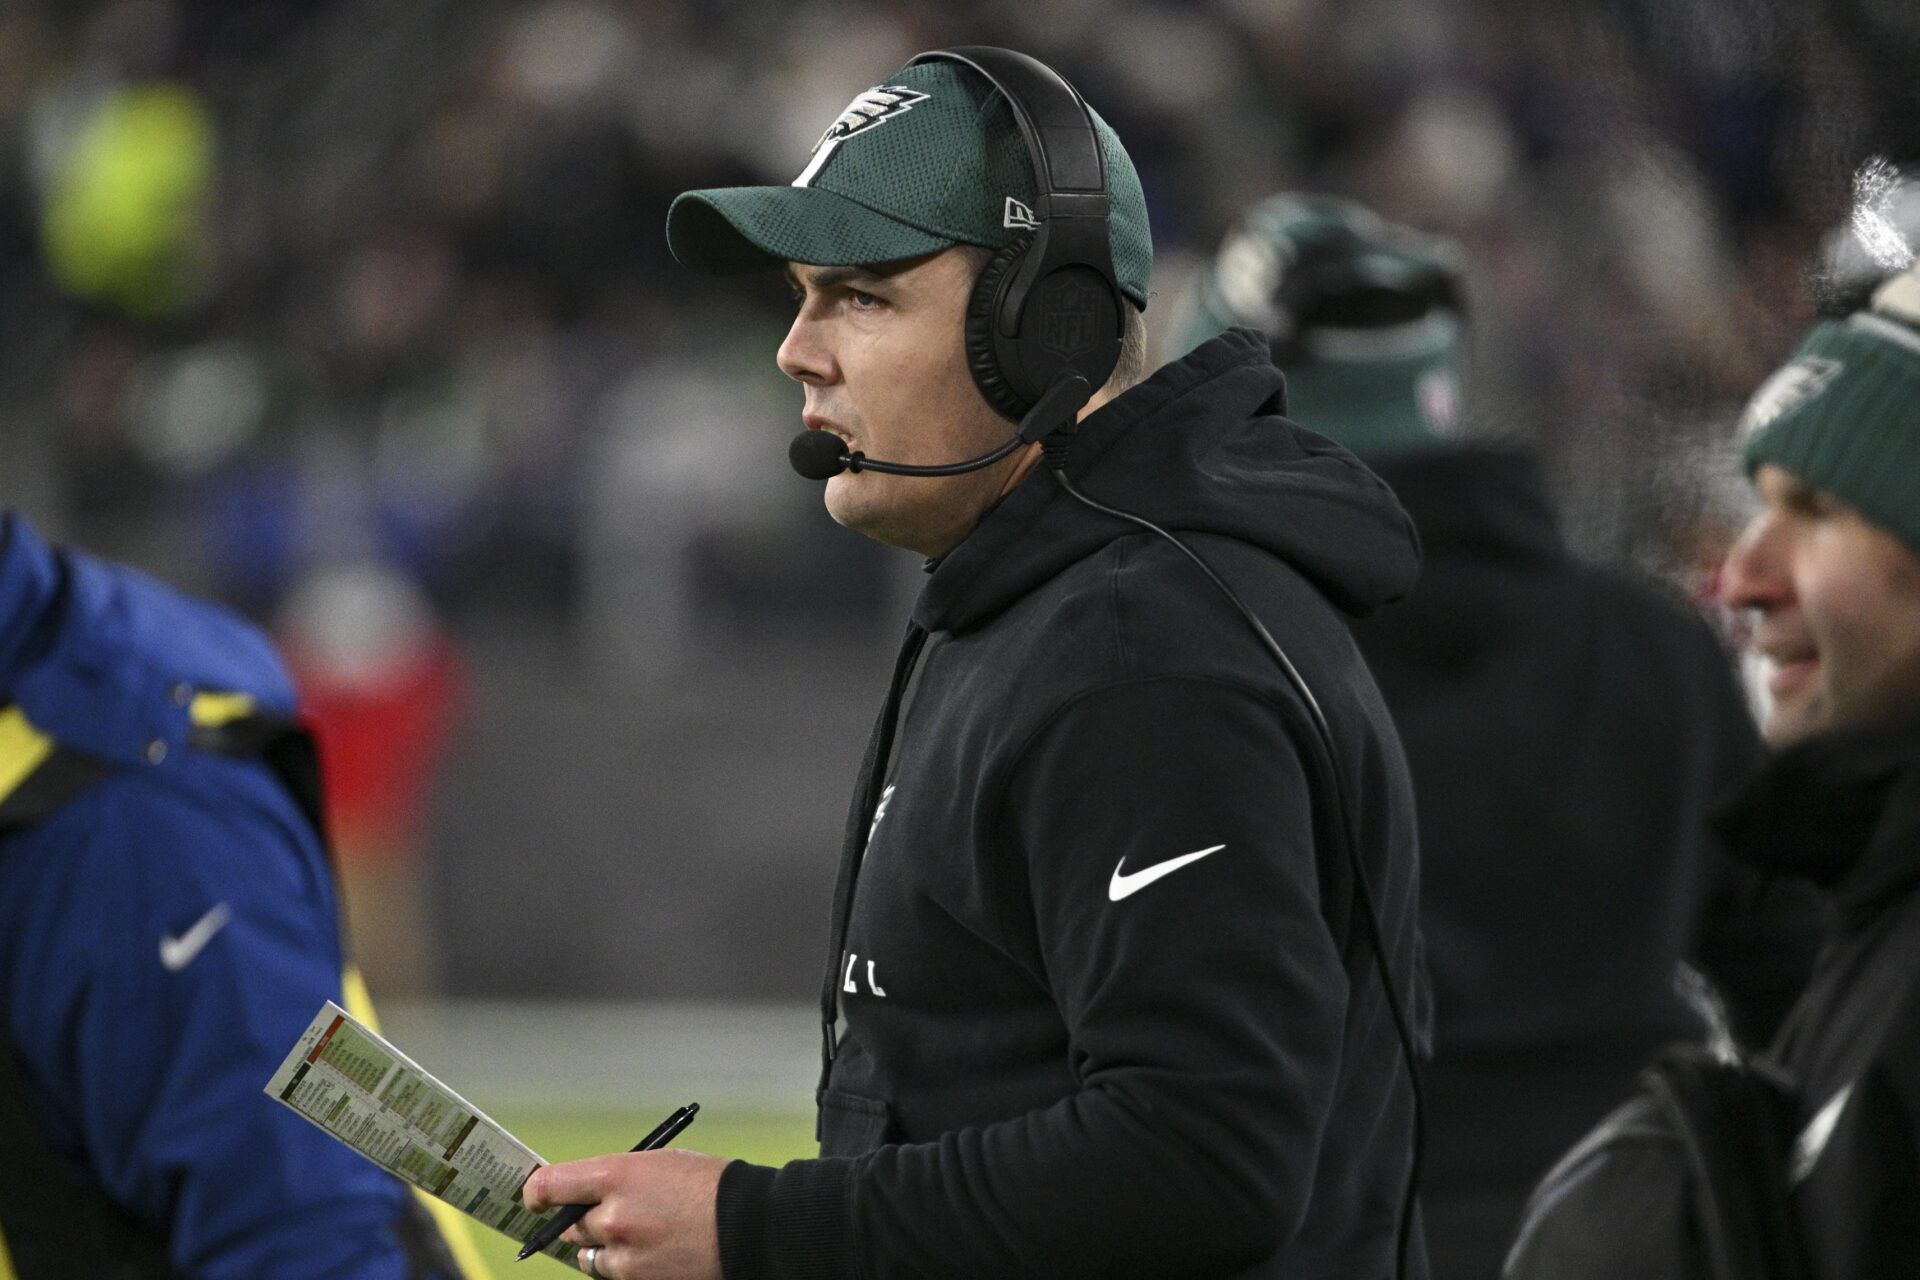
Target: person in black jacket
1831 570
1568 727
1110 1002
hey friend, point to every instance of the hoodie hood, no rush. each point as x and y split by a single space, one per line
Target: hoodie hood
1202 446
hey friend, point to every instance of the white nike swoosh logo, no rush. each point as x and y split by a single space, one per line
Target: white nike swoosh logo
1123 885
177 953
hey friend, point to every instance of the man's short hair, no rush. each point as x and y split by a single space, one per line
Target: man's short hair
1133 351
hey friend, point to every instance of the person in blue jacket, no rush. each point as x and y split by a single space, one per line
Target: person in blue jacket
168 927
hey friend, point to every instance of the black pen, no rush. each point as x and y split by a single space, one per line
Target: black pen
666 1131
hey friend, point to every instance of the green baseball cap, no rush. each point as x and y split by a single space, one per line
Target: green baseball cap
927 159
1362 314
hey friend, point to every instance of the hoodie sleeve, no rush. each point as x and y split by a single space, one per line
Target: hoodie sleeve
1168 840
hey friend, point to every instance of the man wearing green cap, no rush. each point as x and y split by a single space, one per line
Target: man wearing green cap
1567 727
1830 568
1105 994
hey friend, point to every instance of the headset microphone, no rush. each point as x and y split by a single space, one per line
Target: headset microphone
817 455
821 455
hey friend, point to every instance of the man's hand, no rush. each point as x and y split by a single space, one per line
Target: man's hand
653 1213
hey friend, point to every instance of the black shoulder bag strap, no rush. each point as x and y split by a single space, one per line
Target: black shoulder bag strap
1733 1121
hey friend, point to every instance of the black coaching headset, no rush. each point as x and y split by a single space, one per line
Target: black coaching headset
1049 305
1044 322
1043 330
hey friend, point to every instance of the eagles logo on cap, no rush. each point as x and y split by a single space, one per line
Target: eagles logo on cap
875 107
1791 386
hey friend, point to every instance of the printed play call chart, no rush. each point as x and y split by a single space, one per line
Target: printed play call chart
353 1083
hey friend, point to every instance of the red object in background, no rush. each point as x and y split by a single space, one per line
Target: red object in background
382 736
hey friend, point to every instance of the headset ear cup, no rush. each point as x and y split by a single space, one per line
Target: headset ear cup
1070 323
983 355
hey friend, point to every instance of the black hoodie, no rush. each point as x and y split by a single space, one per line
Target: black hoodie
1569 729
1109 1006
1842 811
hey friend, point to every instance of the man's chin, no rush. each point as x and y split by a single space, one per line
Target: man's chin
1793 720
851 500
859 502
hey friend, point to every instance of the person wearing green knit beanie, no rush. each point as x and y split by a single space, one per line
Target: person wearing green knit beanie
1565 725
1829 569
1843 415
1366 318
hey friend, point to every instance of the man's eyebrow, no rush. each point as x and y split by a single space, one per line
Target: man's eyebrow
833 277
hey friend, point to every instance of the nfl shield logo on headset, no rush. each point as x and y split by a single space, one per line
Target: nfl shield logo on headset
1070 312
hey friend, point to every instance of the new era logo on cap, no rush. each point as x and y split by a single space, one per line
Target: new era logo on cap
1018 216
871 109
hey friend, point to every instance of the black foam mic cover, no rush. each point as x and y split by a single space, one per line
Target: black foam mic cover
818 455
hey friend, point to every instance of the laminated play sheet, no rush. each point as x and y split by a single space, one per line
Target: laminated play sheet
353 1083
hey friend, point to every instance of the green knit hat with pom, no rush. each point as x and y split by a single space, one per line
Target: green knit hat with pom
1843 414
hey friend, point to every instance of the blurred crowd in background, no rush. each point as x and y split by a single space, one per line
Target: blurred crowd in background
359 316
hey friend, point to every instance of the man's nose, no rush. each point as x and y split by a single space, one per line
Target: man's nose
1755 573
803 356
